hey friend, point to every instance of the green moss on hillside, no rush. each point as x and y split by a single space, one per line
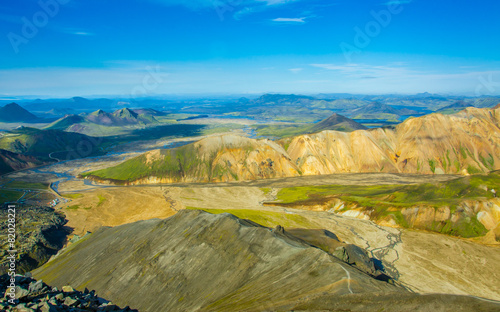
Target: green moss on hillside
388 200
173 163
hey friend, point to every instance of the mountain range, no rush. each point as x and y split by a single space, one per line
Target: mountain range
432 144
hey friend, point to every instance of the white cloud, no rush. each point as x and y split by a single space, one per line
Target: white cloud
296 70
72 31
289 20
82 33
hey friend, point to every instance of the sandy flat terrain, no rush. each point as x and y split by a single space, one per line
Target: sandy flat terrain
111 207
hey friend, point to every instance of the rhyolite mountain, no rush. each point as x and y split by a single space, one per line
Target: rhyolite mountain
14 113
196 261
465 143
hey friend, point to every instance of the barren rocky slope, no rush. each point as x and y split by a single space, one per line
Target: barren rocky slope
199 261
467 142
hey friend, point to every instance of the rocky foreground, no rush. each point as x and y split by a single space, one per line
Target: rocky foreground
196 261
36 296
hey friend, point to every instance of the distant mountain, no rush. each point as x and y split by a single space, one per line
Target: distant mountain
14 113
122 117
337 122
126 113
288 100
290 107
486 102
268 99
66 122
454 108
334 122
60 112
463 104
148 111
96 123
378 110
10 161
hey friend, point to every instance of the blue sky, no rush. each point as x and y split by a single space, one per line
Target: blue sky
149 47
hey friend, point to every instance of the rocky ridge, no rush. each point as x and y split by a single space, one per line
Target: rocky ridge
201 261
196 261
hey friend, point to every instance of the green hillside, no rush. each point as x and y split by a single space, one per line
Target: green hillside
41 143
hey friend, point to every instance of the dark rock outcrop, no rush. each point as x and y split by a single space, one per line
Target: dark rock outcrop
36 296
329 242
